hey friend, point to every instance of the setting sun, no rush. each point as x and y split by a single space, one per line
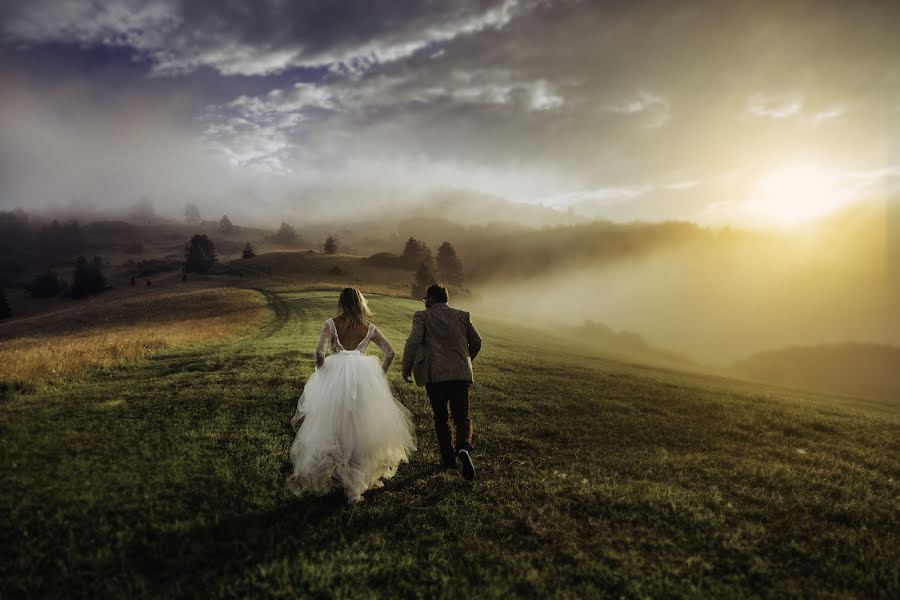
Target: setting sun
795 194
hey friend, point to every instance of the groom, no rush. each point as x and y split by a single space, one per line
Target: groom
439 352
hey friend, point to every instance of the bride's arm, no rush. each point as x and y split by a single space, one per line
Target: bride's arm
324 340
385 347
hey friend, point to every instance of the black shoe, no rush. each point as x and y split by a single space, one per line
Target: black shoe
468 469
449 465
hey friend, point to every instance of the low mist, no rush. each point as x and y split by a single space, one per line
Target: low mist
719 300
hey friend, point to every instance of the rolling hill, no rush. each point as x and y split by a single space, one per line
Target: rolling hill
164 476
865 370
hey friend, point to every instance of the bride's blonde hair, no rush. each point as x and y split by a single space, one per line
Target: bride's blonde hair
353 307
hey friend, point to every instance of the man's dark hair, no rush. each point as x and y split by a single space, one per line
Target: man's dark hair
438 293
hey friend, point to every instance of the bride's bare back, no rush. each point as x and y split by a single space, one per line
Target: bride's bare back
353 333
350 336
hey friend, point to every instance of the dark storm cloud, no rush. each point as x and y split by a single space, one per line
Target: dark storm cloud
256 38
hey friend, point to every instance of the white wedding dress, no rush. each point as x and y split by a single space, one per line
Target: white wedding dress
352 432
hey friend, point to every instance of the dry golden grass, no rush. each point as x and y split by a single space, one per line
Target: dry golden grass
70 341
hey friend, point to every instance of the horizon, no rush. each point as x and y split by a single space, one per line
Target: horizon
507 127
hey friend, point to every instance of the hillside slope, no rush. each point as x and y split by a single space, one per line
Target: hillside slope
292 270
867 370
164 477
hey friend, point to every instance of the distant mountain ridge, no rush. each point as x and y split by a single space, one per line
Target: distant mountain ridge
856 369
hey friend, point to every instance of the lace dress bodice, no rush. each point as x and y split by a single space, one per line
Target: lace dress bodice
328 338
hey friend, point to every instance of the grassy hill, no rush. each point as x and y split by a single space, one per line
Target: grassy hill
867 370
164 477
291 270
122 324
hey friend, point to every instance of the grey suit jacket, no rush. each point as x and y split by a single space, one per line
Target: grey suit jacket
441 346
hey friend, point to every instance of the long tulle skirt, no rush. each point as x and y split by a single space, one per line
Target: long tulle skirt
352 432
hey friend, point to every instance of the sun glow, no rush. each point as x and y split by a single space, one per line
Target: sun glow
796 194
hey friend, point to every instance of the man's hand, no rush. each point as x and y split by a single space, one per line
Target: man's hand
320 360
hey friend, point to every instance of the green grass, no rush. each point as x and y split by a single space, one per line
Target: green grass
164 477
307 270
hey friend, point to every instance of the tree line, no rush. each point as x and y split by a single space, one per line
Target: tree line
447 268
87 279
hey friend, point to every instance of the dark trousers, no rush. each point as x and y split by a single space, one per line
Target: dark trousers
450 399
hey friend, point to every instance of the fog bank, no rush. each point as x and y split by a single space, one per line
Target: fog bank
721 302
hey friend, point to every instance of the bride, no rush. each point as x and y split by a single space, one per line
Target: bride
354 433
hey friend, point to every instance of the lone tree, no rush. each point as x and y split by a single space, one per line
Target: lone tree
226 226
450 268
248 252
199 254
330 246
285 235
5 311
191 214
424 278
46 285
415 252
142 211
87 279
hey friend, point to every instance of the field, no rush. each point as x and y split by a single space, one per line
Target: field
163 476
308 270
96 334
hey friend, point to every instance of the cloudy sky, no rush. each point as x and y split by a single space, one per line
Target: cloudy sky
718 112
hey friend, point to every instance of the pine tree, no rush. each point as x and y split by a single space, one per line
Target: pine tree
427 258
331 245
248 252
424 278
225 225
192 214
5 311
450 268
285 235
199 254
88 278
415 252
411 249
142 211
